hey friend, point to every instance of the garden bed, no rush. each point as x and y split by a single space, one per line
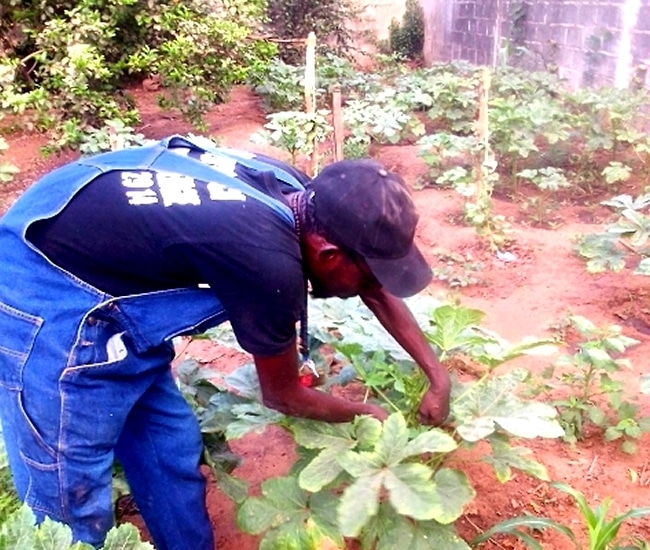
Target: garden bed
527 293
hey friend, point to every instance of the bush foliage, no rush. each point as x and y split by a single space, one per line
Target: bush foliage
295 19
68 60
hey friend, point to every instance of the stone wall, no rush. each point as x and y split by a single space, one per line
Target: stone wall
588 42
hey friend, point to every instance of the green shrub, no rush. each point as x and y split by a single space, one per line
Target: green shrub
69 60
295 19
407 39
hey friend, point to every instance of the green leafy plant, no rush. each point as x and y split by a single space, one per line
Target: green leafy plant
628 236
72 60
20 532
280 86
588 378
289 516
295 131
112 136
616 172
411 489
407 39
292 21
381 118
601 530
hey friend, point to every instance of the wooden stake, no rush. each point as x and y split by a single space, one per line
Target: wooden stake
337 119
483 130
310 94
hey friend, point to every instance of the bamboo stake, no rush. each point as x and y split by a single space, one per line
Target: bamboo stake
310 94
337 119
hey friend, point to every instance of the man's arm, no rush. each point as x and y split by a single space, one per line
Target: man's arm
282 391
398 320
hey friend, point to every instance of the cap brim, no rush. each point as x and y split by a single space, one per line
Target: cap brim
402 277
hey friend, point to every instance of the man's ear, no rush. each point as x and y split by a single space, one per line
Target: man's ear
328 252
320 249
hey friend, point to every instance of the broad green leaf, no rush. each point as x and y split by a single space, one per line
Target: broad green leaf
453 493
359 464
629 447
598 357
54 536
81 546
476 429
480 407
389 531
284 492
223 335
321 435
359 503
283 499
17 533
504 457
614 262
245 382
421 535
531 420
597 416
393 440
453 326
323 508
498 351
257 514
251 417
379 526
234 488
432 441
321 470
411 491
125 537
368 431
293 535
584 325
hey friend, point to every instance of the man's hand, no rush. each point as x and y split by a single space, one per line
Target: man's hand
434 407
400 323
282 391
377 412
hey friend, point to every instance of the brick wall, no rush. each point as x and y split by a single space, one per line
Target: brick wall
588 42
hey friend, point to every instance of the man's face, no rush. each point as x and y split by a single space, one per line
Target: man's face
340 275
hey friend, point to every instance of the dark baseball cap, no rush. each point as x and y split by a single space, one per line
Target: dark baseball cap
365 208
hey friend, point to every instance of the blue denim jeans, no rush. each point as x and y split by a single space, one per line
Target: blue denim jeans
66 424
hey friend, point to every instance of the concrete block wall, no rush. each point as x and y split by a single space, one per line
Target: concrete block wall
588 42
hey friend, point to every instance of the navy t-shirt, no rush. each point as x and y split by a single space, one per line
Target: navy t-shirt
137 231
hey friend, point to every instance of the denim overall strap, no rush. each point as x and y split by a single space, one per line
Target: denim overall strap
243 158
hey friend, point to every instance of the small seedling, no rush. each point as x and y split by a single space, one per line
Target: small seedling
593 395
602 532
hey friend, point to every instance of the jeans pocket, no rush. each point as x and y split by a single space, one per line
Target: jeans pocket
44 494
18 332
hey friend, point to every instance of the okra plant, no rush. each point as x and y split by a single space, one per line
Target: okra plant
592 381
622 240
337 487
